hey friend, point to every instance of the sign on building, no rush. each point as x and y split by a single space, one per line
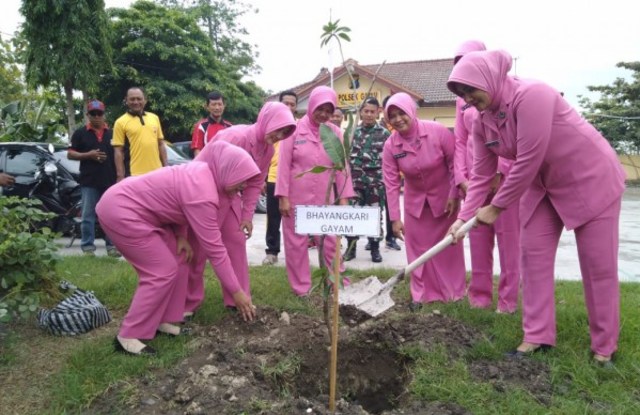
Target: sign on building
350 98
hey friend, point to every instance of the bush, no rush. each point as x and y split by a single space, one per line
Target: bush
28 256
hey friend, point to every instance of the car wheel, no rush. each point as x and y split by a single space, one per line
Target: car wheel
261 206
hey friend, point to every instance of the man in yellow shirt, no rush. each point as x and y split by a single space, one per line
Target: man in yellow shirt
143 133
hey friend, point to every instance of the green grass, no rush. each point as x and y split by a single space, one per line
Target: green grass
86 366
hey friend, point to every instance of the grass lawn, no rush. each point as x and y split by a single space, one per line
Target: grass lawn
43 374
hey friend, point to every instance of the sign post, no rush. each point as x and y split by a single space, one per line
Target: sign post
337 220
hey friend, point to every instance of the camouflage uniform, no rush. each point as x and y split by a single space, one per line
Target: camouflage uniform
366 171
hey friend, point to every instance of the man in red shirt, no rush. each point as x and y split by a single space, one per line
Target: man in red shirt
207 128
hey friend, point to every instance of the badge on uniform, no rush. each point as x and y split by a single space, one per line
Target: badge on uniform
502 115
399 156
492 143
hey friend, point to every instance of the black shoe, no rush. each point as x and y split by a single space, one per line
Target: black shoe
184 331
375 256
367 247
349 254
146 351
517 354
413 306
392 244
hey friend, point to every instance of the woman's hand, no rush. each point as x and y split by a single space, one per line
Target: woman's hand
452 207
183 246
244 305
343 202
487 215
453 230
246 226
464 186
398 229
285 206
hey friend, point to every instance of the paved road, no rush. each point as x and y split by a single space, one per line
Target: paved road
567 266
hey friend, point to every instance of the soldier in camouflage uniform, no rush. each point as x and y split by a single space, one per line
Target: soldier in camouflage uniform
366 170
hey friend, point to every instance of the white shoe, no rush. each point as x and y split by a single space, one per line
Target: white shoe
270 259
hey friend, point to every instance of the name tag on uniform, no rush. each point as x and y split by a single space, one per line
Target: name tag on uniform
300 142
399 156
493 143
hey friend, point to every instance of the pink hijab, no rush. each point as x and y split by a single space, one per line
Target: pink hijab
229 164
466 47
485 70
319 96
273 116
403 101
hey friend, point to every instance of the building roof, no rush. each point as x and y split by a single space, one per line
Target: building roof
425 80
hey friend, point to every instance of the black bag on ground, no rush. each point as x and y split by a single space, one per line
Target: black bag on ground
77 314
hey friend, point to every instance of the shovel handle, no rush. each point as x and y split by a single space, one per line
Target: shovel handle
437 248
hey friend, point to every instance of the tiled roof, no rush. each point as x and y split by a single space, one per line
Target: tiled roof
426 78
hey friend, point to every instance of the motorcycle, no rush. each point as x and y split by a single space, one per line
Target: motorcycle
61 196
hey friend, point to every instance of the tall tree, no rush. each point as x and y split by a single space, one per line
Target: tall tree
617 113
219 19
10 74
166 52
67 46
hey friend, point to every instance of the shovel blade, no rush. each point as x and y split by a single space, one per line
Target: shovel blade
369 296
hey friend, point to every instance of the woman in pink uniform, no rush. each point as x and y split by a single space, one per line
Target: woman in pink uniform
564 173
423 151
275 122
482 239
299 154
147 218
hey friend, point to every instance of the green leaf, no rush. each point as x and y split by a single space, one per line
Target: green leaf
315 170
345 36
332 146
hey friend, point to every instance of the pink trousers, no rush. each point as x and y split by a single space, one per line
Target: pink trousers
236 243
482 241
597 242
162 282
442 278
296 253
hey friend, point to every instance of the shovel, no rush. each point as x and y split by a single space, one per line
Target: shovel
373 297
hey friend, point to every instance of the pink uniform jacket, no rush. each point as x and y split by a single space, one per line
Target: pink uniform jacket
427 164
251 138
177 197
301 153
557 153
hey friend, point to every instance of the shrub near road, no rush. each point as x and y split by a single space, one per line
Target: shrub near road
446 359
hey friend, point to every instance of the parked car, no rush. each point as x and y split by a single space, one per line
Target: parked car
184 147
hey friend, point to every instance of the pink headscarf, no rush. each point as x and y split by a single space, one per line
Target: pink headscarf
319 96
403 101
272 117
486 71
229 164
466 47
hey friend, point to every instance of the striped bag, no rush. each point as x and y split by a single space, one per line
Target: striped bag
77 314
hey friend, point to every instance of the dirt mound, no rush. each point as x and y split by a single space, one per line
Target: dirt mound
279 365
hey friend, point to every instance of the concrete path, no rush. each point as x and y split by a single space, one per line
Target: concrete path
567 266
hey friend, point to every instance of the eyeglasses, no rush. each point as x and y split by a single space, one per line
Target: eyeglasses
96 113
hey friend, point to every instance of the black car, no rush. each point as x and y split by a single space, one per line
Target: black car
22 161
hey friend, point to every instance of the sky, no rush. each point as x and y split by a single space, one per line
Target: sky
567 43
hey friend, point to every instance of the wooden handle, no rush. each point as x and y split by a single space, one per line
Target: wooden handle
438 247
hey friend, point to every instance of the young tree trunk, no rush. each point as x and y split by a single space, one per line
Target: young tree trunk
71 112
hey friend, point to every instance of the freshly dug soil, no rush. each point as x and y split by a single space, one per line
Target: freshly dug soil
279 364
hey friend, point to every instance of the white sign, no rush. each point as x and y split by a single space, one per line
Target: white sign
338 220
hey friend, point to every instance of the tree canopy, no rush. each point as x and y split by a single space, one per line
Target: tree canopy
10 74
165 51
617 113
66 45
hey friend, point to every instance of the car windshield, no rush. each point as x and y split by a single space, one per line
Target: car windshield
174 156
